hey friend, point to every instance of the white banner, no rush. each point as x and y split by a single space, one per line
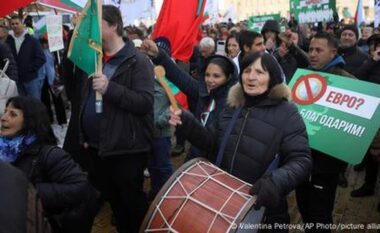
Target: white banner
133 10
212 10
112 2
377 13
54 30
355 103
230 14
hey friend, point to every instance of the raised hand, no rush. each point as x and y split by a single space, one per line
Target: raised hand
175 117
150 48
269 44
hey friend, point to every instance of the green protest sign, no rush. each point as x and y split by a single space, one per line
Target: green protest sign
256 23
341 114
311 11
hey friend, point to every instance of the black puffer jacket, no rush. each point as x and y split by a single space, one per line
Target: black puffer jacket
354 59
65 192
60 182
272 127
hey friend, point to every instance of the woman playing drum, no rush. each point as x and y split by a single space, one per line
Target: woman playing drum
267 125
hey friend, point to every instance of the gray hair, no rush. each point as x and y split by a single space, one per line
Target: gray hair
207 42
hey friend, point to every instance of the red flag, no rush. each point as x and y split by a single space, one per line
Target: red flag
7 7
180 22
182 100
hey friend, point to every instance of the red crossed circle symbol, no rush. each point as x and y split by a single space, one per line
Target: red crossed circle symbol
305 83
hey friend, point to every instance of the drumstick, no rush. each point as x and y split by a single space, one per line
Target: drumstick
160 74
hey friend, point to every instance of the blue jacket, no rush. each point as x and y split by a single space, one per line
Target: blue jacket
29 59
48 69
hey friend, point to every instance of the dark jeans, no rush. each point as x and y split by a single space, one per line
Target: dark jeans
371 170
120 180
180 139
159 164
276 217
316 198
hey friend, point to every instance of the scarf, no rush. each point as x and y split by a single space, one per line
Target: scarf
10 148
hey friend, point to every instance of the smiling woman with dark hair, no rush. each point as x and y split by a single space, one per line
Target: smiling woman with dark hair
209 92
265 129
27 141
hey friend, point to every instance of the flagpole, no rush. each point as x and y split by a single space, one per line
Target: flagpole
99 65
98 95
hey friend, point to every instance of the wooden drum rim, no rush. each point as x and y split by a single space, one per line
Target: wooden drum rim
164 188
243 213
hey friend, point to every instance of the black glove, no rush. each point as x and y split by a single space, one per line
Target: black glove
266 192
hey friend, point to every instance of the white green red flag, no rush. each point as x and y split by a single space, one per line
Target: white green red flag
359 14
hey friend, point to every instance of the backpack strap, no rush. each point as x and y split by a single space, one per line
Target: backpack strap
273 165
227 133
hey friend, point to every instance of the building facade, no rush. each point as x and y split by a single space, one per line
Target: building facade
247 8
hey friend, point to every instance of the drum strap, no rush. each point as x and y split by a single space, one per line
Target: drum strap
227 133
273 165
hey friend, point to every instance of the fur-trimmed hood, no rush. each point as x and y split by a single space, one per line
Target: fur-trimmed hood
236 97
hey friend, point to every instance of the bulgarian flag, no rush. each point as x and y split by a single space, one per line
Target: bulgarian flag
40 26
64 5
77 4
359 14
180 21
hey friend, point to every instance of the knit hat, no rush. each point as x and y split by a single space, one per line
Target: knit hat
374 39
351 27
226 64
271 25
164 44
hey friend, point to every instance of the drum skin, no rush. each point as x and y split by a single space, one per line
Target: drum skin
198 198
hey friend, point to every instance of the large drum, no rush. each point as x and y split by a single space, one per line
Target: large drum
201 198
